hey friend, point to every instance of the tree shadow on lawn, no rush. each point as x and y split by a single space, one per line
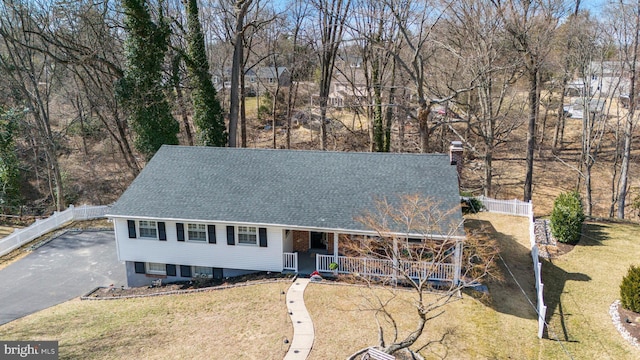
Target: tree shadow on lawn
518 276
506 293
554 279
592 235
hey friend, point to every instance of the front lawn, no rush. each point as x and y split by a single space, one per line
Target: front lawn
252 322
579 288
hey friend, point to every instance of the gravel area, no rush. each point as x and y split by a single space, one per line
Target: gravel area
615 317
547 244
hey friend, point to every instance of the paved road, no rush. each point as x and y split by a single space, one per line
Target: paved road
65 268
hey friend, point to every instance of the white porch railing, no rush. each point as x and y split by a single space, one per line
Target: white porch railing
379 267
41 227
290 261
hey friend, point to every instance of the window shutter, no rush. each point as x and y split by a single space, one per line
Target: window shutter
132 229
211 230
171 270
262 233
139 267
162 231
231 237
180 231
185 270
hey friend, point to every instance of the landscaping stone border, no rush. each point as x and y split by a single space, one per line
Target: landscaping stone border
179 292
615 317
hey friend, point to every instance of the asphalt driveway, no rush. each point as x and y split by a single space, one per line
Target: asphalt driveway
65 268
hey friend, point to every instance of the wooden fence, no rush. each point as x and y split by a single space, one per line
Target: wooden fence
40 227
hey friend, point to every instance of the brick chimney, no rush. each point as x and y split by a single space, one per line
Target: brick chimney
455 156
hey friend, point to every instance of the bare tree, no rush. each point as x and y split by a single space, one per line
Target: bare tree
629 37
531 24
414 233
241 7
565 77
586 55
32 74
332 16
418 15
492 109
298 13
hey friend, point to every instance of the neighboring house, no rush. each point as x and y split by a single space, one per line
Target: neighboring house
261 79
609 78
349 87
268 78
576 109
218 212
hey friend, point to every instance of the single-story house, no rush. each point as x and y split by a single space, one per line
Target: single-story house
219 212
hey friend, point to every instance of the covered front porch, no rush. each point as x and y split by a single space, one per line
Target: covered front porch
317 251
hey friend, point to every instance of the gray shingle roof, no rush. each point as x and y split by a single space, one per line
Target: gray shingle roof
302 189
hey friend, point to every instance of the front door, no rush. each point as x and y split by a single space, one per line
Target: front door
318 240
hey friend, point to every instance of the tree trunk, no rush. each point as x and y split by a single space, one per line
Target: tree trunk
274 113
558 134
241 7
628 128
531 132
424 113
378 135
183 114
243 112
390 109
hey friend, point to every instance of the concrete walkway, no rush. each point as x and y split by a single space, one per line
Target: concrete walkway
303 333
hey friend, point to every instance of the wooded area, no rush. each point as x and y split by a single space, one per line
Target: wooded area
541 93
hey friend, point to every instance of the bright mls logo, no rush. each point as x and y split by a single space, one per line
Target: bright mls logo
41 350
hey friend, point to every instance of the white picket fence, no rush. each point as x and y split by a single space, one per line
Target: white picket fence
521 208
22 236
510 207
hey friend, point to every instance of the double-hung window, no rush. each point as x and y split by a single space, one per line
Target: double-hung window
197 232
202 271
148 229
247 235
156 269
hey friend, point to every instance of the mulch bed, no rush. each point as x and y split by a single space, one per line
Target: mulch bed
630 321
184 287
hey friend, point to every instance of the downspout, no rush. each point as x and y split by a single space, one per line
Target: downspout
456 259
396 264
335 253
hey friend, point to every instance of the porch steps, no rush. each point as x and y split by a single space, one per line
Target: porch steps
303 332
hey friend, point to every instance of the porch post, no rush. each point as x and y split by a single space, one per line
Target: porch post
335 252
395 259
457 259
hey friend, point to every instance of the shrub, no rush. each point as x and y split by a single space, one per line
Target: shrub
471 204
630 290
567 217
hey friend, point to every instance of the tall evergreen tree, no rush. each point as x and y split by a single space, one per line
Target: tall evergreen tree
141 88
207 112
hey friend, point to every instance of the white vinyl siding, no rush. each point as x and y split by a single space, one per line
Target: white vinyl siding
197 232
247 235
148 229
156 269
172 251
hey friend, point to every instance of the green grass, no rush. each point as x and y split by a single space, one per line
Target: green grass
241 323
580 286
252 322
